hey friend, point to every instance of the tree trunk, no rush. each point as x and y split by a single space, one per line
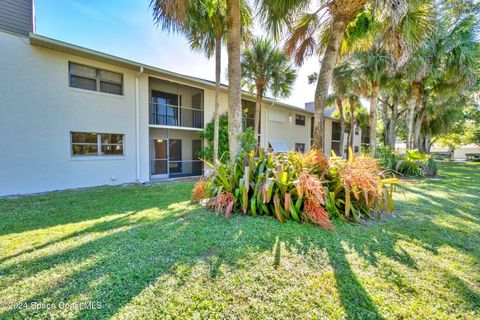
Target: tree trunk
325 78
386 121
418 128
342 126
412 101
234 78
258 106
352 122
216 114
393 123
428 140
373 117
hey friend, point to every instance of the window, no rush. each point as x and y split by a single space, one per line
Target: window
165 108
356 149
365 135
299 120
336 133
96 144
90 78
300 147
357 131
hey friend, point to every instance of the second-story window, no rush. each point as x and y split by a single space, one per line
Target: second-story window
89 78
299 120
300 147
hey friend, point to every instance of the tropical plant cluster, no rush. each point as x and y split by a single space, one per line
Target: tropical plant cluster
308 188
412 163
247 139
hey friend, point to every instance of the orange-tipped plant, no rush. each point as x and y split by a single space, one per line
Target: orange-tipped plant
198 191
302 187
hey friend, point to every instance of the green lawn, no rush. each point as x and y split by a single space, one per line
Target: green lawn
147 252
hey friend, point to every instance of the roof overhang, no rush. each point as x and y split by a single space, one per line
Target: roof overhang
60 46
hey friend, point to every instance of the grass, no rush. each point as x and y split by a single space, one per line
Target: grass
147 252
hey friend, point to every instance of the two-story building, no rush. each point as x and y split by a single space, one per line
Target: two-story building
73 117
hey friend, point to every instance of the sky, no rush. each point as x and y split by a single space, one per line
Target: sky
124 28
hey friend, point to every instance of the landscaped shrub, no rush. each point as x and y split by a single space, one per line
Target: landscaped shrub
302 187
247 138
417 164
413 163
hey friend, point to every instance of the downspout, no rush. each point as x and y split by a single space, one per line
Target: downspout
137 123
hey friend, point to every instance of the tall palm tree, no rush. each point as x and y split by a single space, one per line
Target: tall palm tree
266 68
374 64
348 84
207 29
451 65
234 77
330 17
322 30
205 25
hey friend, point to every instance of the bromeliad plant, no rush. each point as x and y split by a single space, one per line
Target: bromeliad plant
302 187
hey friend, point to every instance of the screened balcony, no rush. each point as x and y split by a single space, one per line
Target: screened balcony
175 105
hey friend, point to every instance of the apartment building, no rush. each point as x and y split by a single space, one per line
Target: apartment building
73 117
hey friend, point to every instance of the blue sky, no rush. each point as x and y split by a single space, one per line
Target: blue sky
124 28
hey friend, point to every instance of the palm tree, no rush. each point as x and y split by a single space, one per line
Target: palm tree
330 17
374 63
207 25
234 77
266 68
451 65
348 85
322 31
204 23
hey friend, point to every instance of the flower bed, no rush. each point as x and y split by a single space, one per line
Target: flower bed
302 187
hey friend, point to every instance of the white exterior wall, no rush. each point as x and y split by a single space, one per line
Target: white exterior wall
39 110
461 153
278 124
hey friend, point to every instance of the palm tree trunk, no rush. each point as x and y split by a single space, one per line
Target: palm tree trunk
393 123
412 101
418 129
342 126
234 86
258 105
325 78
216 114
352 122
428 140
386 121
373 117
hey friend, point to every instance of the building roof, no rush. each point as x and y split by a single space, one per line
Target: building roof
69 48
328 112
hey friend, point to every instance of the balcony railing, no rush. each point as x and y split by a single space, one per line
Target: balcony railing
170 115
177 169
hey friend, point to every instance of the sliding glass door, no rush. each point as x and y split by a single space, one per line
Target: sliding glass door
175 156
159 158
165 108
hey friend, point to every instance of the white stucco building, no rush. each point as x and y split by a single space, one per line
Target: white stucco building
73 117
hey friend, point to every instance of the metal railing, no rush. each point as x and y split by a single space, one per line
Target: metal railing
185 168
176 169
176 116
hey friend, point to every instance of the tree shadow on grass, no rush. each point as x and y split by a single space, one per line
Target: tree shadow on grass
72 206
130 254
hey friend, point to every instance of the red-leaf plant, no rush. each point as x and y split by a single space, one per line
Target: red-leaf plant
311 189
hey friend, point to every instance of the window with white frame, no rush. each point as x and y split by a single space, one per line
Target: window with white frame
96 144
89 78
299 120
